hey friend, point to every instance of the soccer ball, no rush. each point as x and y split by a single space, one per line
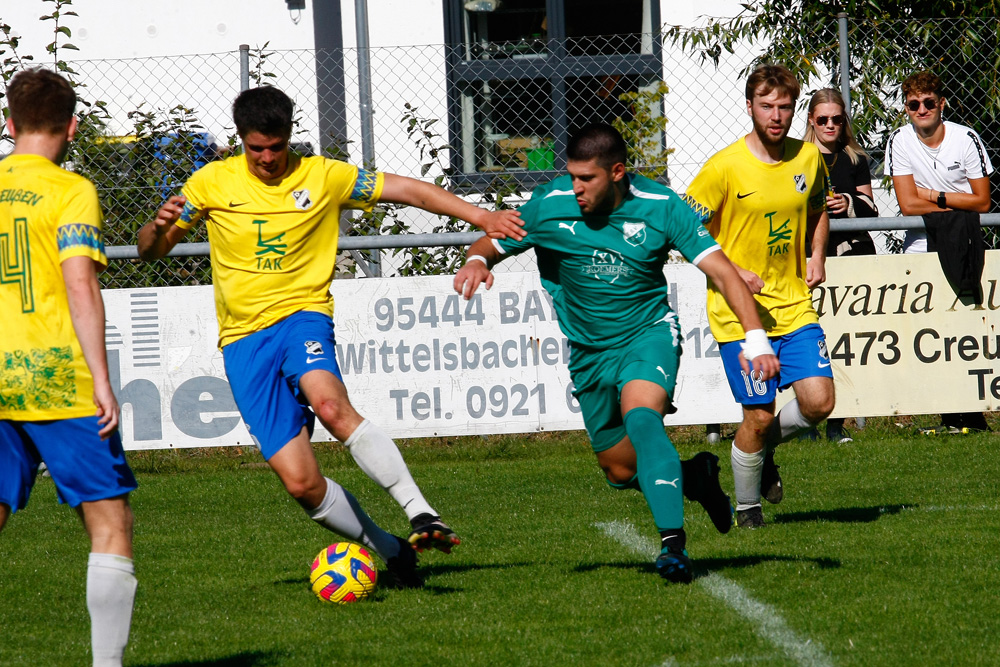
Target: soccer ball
343 572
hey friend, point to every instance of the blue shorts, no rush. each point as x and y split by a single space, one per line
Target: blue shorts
264 369
83 467
802 354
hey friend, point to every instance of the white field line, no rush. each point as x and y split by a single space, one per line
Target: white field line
764 617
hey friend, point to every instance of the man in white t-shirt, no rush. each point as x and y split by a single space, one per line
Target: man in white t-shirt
935 164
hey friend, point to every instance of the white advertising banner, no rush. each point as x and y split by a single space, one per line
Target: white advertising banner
902 343
420 361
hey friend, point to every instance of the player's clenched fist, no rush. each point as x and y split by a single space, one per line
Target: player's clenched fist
470 277
169 213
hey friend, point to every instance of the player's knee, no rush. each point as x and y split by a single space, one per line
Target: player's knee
336 416
817 408
618 474
305 489
757 422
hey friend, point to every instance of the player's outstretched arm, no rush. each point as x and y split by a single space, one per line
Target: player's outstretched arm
819 228
479 259
159 237
757 353
86 310
404 190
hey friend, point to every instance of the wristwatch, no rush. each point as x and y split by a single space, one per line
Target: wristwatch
942 202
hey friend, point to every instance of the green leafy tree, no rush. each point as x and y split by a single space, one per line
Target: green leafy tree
133 173
888 40
644 130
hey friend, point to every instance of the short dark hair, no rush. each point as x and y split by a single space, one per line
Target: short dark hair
598 140
40 101
923 82
772 77
266 110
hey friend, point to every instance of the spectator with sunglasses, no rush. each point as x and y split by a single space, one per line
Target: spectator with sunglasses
830 129
851 196
935 164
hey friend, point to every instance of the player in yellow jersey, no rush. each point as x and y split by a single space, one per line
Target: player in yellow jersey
56 402
764 199
273 222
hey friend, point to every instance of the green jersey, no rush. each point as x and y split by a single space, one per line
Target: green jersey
605 272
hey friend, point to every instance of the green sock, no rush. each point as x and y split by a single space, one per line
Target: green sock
659 467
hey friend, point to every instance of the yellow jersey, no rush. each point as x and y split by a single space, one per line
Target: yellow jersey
758 213
47 215
273 245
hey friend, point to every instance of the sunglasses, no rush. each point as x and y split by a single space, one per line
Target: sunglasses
929 103
837 120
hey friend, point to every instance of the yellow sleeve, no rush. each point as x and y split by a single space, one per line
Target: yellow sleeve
707 192
354 187
194 191
79 231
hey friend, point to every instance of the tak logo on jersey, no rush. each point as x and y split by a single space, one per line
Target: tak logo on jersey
800 183
267 247
778 238
634 233
607 265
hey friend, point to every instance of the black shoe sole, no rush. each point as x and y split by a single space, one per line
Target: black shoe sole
712 497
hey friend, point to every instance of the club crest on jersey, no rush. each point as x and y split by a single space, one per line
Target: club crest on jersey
607 265
302 200
800 183
824 354
314 347
634 233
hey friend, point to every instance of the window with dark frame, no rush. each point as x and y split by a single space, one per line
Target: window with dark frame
524 74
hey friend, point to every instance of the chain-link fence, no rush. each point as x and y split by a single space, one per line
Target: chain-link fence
491 120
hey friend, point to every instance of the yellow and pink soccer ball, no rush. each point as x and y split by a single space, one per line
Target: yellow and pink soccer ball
343 572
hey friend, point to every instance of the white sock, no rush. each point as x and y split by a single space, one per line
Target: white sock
111 585
341 513
378 456
746 477
786 425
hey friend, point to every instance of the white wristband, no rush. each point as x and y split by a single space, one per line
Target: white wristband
756 344
477 257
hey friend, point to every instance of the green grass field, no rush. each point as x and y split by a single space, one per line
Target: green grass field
884 552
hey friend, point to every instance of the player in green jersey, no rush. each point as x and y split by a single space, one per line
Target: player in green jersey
601 237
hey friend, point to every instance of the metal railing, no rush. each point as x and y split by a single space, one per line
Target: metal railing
463 239
488 138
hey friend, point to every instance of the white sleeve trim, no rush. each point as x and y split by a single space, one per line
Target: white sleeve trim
705 253
498 247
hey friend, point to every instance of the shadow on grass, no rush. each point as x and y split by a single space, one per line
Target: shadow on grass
704 566
842 515
245 659
428 572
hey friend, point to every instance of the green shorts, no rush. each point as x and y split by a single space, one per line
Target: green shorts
599 376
